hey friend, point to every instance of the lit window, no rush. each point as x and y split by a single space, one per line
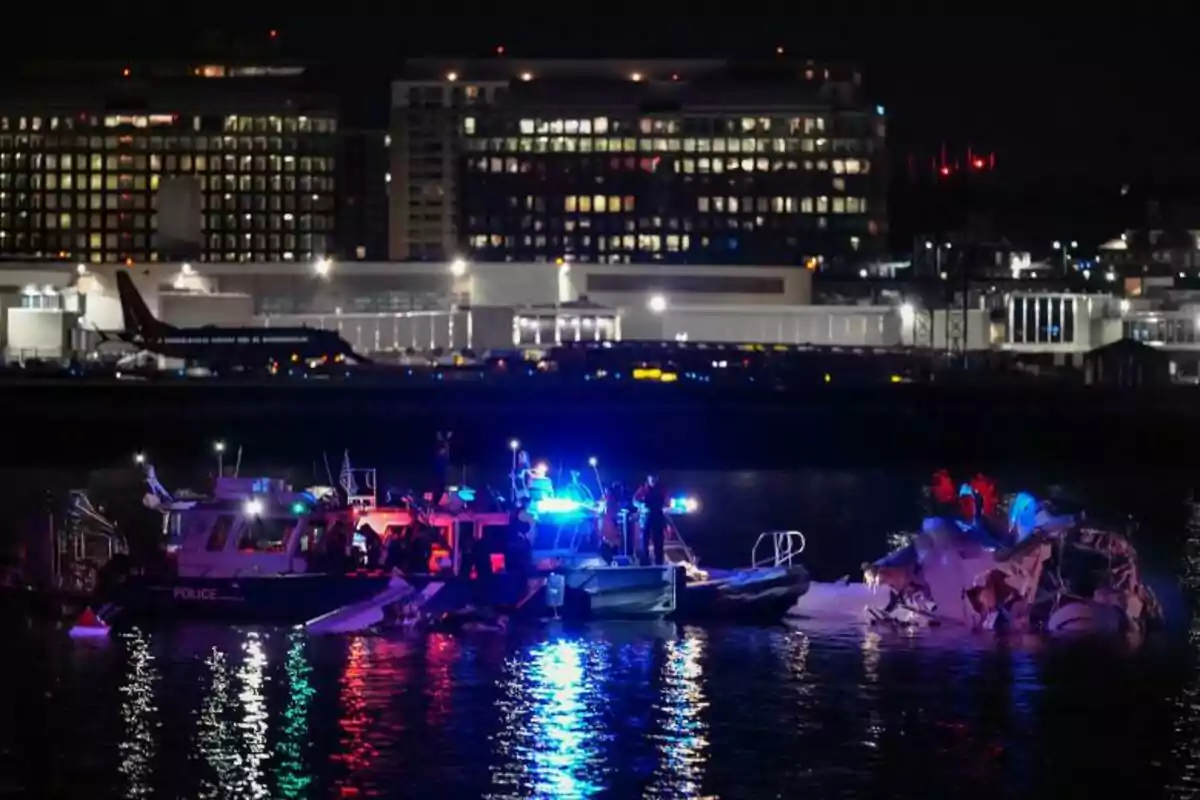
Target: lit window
569 204
600 125
600 203
839 184
839 205
839 166
527 126
469 126
822 205
852 166
629 203
702 204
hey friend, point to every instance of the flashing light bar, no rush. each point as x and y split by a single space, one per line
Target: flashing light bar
556 505
683 505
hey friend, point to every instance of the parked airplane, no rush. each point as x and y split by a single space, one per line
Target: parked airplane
219 346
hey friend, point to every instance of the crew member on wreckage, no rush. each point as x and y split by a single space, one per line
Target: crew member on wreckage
1031 571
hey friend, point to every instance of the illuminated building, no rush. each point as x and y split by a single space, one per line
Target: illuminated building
635 161
142 164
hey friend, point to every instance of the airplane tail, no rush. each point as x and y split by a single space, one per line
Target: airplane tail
138 318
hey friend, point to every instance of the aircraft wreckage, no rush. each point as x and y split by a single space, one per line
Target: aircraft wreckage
974 565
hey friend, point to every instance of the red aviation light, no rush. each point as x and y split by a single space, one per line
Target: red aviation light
977 163
944 172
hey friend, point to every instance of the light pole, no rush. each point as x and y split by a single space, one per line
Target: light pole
139 458
219 448
514 445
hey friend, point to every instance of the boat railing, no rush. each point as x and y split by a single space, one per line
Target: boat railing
785 545
364 499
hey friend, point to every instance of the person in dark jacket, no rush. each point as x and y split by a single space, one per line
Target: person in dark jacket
653 501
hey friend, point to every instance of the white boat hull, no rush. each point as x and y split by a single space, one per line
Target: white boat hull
841 601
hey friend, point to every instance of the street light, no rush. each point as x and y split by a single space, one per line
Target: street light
323 266
139 458
458 267
219 448
657 303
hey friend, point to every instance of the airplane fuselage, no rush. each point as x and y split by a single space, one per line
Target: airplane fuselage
241 346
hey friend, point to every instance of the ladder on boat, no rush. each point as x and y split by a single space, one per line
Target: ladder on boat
785 546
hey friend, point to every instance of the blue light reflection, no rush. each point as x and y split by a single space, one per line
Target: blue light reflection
551 714
683 743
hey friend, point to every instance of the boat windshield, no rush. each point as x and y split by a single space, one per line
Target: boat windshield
266 534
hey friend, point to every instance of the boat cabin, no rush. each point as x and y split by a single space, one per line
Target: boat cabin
252 526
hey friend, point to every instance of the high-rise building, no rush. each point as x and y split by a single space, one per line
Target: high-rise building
635 161
203 162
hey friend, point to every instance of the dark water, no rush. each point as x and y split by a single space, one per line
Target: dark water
615 710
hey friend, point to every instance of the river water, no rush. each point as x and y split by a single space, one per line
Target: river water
623 710
608 710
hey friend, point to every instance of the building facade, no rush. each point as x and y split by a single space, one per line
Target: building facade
122 163
635 161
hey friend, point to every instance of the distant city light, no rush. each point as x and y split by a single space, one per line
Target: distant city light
879 110
219 447
500 50
513 444
944 171
458 267
274 34
636 77
451 76
928 245
1074 244
779 50
526 76
1110 276
139 458
323 266
862 273
657 304
1057 245
977 163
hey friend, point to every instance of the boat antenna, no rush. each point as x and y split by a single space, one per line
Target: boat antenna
328 472
237 467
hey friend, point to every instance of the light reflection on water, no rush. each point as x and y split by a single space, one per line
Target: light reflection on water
638 711
683 742
139 714
293 777
550 717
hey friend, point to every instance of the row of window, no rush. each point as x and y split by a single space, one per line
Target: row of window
643 243
154 162
680 166
112 248
782 205
602 126
238 124
629 144
24 203
478 224
142 221
36 143
22 183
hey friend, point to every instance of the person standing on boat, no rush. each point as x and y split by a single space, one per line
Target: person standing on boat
520 480
653 500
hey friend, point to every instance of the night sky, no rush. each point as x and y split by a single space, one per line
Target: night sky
1075 105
